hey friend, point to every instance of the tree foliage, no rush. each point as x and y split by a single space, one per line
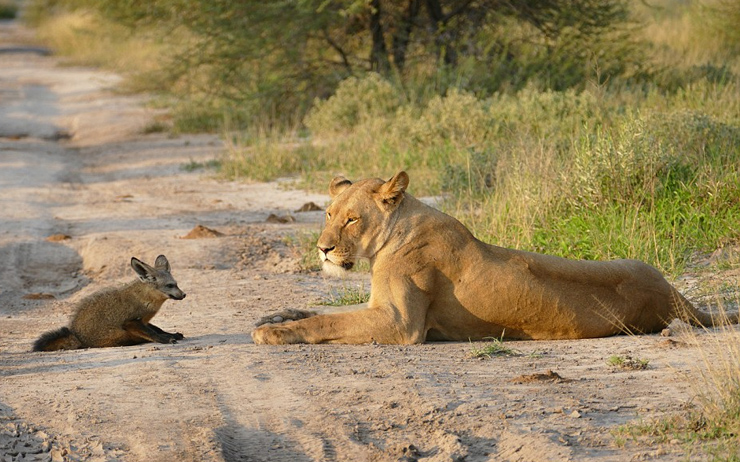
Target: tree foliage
281 55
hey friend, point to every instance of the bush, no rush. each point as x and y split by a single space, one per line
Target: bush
356 101
656 187
458 119
8 9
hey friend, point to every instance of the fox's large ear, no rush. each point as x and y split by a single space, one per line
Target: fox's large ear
161 263
391 192
338 185
145 272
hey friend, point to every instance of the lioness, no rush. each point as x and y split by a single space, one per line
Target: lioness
432 280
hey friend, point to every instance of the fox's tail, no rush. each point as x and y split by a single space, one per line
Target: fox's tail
60 339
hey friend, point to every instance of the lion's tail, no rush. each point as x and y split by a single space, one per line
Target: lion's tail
688 312
60 339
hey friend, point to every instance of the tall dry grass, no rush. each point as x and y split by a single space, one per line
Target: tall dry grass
709 427
85 38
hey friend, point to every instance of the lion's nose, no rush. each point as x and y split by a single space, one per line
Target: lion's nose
326 250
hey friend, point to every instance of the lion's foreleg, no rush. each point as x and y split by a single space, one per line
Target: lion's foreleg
355 327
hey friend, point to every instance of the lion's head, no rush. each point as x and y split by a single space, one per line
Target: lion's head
359 219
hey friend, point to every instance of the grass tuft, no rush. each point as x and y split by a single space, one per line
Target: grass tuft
8 9
627 362
347 295
156 127
303 245
194 165
495 347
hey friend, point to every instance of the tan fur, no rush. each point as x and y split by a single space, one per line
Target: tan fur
119 316
432 280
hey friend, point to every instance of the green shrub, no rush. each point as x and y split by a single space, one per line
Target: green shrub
356 101
458 118
722 27
614 165
656 187
263 157
8 9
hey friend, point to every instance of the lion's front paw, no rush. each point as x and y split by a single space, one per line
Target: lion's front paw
274 335
285 315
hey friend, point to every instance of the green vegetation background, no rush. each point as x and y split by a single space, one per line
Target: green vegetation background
608 134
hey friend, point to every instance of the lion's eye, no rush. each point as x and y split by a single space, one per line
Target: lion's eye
328 216
350 221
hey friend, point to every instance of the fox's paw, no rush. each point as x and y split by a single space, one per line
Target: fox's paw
178 336
285 315
275 335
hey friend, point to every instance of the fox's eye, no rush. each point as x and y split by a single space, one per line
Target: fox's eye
170 286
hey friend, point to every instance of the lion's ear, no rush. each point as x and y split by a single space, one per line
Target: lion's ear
338 185
391 193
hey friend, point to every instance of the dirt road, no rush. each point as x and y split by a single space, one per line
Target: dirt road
75 166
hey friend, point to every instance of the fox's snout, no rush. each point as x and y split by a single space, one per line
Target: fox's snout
178 296
174 293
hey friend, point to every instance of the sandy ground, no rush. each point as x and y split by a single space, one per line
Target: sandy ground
74 162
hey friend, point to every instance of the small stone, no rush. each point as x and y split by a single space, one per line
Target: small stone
58 237
202 232
309 207
97 449
280 219
57 455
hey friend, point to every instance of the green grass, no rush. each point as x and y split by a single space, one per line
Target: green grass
621 170
303 245
495 347
698 434
194 165
627 362
83 37
265 156
566 174
347 295
156 127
